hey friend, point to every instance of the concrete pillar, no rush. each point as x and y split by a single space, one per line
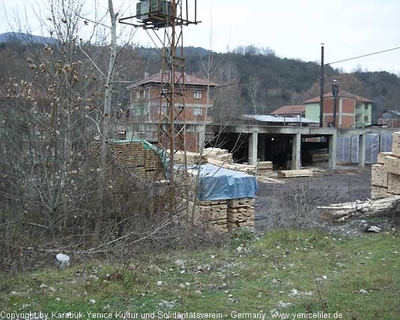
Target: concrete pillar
202 137
332 150
296 152
262 146
253 146
361 150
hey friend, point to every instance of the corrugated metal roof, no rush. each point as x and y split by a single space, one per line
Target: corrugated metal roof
189 80
269 118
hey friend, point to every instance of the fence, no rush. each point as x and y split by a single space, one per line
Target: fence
347 147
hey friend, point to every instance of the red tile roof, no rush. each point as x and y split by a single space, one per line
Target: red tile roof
342 94
189 80
293 109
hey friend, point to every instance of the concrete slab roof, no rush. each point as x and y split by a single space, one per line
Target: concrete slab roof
279 119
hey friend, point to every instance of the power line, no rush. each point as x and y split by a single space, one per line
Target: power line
362 56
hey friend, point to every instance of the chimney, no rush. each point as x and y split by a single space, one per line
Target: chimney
146 74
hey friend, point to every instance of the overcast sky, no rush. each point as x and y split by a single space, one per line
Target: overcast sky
292 28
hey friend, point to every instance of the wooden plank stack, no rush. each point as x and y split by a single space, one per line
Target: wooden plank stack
343 211
264 167
240 213
135 158
192 158
249 169
225 215
318 155
385 175
379 181
218 154
215 213
295 173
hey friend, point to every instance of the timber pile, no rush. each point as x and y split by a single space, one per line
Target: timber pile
215 213
318 155
234 166
240 213
192 158
217 154
134 158
264 167
225 215
343 211
295 173
385 175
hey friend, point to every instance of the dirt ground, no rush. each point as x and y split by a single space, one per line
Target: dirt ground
293 201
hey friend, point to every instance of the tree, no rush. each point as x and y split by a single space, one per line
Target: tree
253 86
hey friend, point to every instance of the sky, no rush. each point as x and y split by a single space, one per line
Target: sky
291 28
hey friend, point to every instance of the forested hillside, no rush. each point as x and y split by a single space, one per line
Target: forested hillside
256 80
251 79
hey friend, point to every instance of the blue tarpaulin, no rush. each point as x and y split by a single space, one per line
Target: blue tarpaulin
219 184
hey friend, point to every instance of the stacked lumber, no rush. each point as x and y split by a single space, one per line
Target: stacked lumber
396 144
249 169
385 175
343 211
192 158
240 213
133 157
224 215
379 181
219 157
217 154
295 173
382 155
318 155
215 213
264 167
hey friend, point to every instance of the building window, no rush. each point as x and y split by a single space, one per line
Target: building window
140 110
197 95
197 111
138 94
366 118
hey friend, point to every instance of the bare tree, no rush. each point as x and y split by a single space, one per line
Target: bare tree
106 118
253 87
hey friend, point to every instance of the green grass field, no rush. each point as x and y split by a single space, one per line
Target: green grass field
301 273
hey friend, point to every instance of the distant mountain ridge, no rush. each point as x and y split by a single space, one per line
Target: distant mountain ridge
25 38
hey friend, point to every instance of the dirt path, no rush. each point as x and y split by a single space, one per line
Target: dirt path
293 202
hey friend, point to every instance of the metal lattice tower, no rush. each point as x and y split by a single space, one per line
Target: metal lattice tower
172 16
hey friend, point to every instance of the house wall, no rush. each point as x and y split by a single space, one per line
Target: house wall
348 114
312 111
145 102
363 114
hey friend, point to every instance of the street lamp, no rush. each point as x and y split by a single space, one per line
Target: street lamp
335 92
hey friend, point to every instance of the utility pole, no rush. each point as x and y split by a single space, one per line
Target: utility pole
170 15
321 89
335 92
